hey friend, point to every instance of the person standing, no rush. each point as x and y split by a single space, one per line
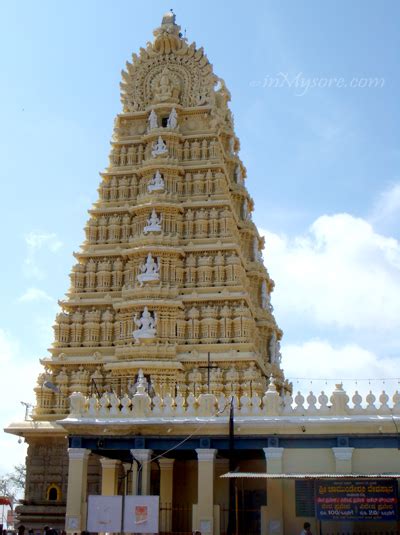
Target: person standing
306 529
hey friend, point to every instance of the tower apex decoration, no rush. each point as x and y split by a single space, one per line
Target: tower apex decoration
168 36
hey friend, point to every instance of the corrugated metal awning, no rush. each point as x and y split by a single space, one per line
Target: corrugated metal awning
263 475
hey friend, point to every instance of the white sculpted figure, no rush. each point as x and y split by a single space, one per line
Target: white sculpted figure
172 119
156 183
275 350
153 223
238 175
153 120
150 270
258 257
146 325
159 147
265 297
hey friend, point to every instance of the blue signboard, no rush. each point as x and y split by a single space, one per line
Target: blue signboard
356 499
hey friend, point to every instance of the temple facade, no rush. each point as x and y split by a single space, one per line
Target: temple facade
168 332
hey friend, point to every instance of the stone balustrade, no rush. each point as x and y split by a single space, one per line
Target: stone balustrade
272 404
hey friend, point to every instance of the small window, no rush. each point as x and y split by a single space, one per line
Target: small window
164 122
305 506
53 493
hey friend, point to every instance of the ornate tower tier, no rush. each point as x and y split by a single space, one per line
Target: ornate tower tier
170 279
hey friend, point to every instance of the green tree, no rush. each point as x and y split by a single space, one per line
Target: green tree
12 484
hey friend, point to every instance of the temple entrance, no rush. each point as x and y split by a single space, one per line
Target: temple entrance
179 518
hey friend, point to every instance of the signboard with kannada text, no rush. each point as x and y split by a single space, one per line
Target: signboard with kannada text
356 499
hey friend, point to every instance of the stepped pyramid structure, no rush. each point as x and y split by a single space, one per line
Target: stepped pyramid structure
167 331
169 285
171 277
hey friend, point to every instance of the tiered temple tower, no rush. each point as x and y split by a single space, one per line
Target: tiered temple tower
168 330
170 281
171 278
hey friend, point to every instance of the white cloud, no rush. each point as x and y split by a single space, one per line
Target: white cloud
18 375
34 294
317 365
35 242
8 347
387 208
340 273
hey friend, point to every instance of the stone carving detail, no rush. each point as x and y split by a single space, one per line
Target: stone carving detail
159 148
149 271
156 183
275 350
153 223
153 120
146 325
159 76
166 87
238 175
172 119
265 297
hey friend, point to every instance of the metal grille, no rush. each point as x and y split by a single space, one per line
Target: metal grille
305 506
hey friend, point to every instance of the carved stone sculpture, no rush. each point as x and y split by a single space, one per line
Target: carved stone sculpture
153 223
172 119
159 148
146 325
149 271
153 120
156 183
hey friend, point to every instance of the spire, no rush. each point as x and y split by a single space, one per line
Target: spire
168 36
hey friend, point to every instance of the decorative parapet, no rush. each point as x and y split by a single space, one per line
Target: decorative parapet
272 404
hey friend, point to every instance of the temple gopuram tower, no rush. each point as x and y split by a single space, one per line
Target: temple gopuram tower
169 312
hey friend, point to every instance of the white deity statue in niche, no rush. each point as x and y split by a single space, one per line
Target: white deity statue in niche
149 270
275 350
159 147
257 253
265 297
153 223
153 120
146 325
238 175
172 119
156 183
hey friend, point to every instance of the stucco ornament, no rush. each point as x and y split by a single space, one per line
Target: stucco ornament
153 223
156 183
168 70
149 270
159 147
146 325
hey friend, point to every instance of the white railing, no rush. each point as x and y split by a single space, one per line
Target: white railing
141 405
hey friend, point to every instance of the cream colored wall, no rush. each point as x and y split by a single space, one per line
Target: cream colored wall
376 460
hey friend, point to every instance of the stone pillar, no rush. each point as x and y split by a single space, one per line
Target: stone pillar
109 476
343 459
144 458
76 511
166 492
274 510
205 493
134 476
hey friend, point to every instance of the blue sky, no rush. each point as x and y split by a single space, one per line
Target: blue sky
322 162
